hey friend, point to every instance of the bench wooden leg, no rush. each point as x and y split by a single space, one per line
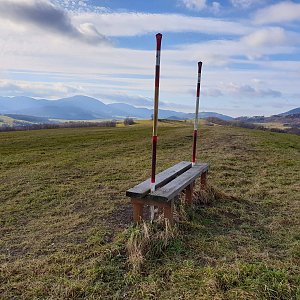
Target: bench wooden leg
138 205
203 180
160 210
137 210
189 193
168 211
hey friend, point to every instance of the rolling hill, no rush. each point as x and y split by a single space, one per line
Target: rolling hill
291 112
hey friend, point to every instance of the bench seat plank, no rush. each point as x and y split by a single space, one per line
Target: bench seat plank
173 188
142 189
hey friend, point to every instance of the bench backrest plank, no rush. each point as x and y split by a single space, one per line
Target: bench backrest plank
174 187
142 189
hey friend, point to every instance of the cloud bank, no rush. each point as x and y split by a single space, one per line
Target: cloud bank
43 14
132 24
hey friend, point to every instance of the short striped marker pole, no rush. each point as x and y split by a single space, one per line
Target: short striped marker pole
155 112
196 114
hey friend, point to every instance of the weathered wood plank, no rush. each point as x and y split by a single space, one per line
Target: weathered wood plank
162 178
174 187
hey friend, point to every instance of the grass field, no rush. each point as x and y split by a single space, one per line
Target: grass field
64 217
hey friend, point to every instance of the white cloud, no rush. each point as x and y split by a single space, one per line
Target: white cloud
244 3
35 89
251 47
80 6
249 91
215 7
281 12
194 4
199 5
267 37
212 92
239 90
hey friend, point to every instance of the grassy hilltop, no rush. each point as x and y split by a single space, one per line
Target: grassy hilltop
64 216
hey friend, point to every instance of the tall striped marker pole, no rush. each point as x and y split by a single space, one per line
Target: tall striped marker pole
196 114
155 112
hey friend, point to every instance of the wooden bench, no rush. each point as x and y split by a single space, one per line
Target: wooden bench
169 184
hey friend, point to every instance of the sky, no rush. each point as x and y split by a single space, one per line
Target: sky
105 49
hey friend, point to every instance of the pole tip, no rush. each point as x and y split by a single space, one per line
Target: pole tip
158 41
199 66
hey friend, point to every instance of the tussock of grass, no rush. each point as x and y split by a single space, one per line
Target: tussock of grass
149 240
209 195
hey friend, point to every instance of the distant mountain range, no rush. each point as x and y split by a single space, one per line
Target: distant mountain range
87 108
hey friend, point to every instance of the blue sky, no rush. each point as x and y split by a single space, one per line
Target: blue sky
106 49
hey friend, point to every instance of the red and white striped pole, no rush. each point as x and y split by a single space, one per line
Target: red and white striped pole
155 112
196 114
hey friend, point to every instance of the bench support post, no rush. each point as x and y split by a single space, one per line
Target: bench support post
137 210
138 205
189 193
203 180
168 211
